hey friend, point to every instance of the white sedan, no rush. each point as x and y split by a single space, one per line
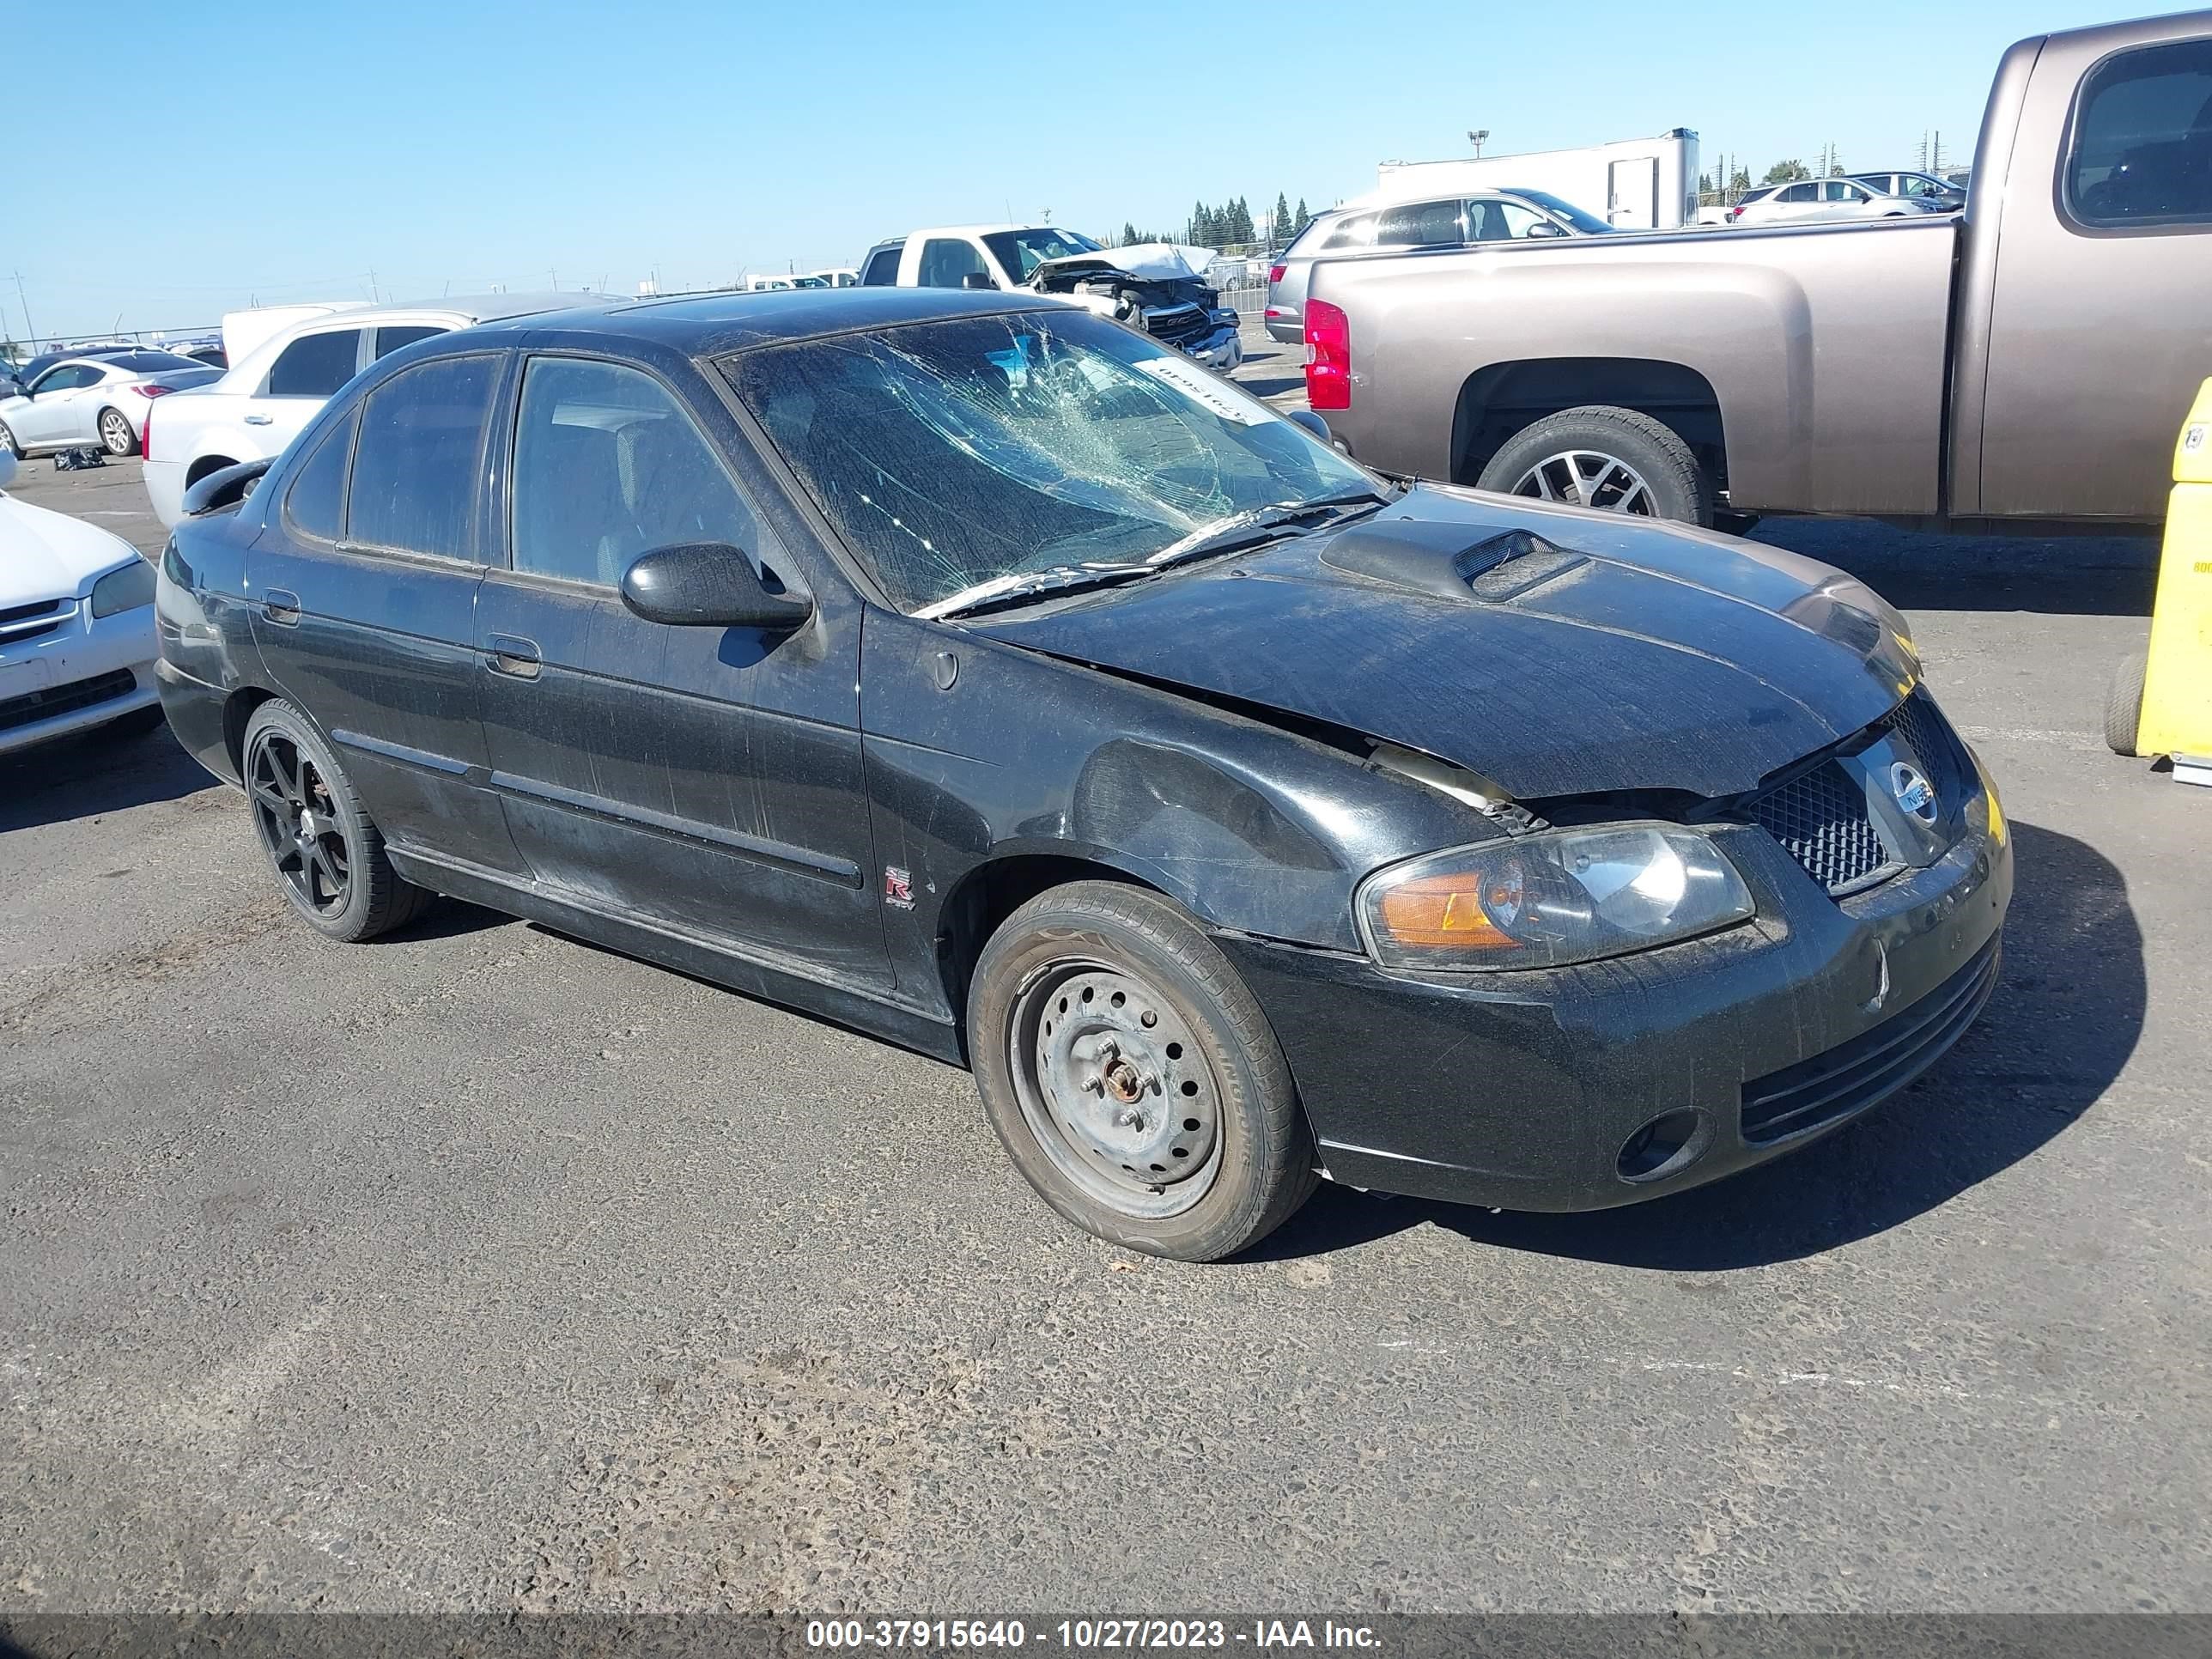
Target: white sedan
76 625
1817 199
82 401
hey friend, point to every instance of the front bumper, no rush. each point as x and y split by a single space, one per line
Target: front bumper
1221 346
81 673
1521 1091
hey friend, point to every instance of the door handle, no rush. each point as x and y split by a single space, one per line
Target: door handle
510 654
282 606
260 420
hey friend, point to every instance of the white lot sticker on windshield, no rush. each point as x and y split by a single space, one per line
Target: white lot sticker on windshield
1188 378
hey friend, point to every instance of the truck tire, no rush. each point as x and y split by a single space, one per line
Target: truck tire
2123 703
1133 1077
1618 460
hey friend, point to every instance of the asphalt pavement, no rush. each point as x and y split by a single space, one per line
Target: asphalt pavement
480 1268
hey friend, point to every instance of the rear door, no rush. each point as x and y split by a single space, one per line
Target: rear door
305 374
364 594
707 780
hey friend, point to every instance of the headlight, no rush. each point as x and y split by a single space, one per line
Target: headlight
1540 901
123 589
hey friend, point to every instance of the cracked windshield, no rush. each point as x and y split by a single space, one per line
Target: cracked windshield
960 459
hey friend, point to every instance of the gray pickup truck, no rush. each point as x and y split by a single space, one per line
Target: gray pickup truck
2024 363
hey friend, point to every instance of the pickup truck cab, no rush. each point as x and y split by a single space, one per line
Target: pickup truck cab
2024 363
1156 287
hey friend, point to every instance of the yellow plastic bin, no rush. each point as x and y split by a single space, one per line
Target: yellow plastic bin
2162 702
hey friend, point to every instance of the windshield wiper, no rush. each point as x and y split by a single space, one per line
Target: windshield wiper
1016 585
1261 524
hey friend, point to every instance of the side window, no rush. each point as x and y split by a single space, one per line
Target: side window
68 378
1517 219
389 340
1359 231
2142 152
1797 193
607 465
314 365
419 457
883 268
1420 224
945 262
316 502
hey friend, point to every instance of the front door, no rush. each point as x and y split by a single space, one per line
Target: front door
55 414
705 779
2098 333
364 602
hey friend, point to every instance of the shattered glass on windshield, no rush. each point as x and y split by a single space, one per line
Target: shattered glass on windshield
952 454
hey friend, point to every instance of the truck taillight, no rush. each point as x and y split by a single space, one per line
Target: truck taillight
1275 272
1329 356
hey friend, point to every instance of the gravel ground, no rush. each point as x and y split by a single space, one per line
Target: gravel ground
478 1268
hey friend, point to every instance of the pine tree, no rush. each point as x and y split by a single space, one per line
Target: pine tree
1280 224
1128 234
1304 218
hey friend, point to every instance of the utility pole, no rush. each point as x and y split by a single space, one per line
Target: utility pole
30 328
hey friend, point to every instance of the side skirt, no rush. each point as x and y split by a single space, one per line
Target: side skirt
686 953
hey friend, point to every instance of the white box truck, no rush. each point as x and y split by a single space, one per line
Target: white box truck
1635 183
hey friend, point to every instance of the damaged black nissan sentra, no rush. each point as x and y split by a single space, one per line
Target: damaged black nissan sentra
982 674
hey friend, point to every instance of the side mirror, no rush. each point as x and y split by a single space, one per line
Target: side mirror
977 279
708 585
1312 421
1543 229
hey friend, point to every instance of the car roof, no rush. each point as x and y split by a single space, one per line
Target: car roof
708 325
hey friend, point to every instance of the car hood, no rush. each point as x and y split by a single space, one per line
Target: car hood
1554 651
49 556
1157 262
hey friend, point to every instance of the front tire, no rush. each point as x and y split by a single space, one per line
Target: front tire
8 438
116 436
1133 1077
327 852
1618 460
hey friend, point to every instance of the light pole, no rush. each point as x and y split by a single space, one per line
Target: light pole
1475 135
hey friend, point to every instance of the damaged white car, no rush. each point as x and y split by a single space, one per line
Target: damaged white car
1158 287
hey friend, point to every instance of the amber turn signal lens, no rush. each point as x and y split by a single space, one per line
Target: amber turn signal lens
1442 909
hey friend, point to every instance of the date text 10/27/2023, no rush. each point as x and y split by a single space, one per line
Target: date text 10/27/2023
1088 1635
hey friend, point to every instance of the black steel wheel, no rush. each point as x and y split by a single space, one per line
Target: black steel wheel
1132 1076
327 852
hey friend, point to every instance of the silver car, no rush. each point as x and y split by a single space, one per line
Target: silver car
1940 194
1819 199
82 401
1496 215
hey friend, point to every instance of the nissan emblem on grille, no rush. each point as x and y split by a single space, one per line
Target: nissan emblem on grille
1914 792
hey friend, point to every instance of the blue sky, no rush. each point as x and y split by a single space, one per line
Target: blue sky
287 151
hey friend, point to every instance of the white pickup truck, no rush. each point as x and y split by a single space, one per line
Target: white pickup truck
1158 287
274 388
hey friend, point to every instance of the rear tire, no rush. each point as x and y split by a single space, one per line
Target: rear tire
116 436
334 872
1617 459
2123 704
1181 1075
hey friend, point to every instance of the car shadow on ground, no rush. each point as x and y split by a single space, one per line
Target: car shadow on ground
99 772
2056 1035
2076 576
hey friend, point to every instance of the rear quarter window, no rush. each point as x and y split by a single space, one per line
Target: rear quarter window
2140 152
315 503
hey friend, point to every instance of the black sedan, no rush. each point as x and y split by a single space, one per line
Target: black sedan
979 673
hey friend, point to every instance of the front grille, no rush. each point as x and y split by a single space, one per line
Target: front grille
36 706
1916 724
1177 325
1876 1063
22 622
1820 819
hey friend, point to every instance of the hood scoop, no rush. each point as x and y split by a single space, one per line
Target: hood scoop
1424 557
